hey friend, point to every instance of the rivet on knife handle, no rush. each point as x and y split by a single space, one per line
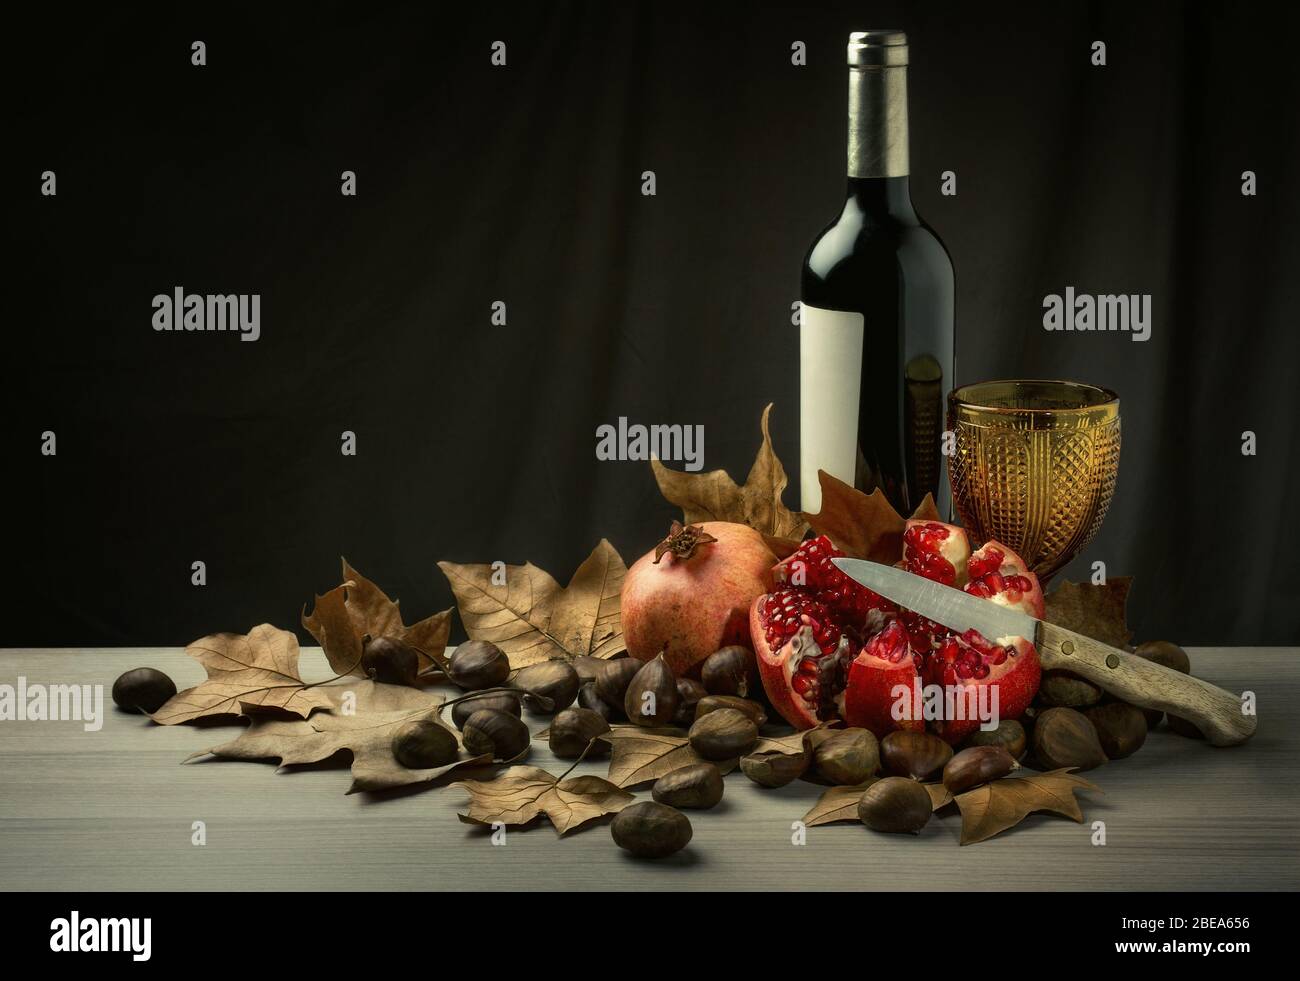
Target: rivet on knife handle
1217 713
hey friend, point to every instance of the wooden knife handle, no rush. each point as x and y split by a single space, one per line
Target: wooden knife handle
1217 713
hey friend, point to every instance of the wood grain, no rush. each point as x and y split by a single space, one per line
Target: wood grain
1216 712
113 810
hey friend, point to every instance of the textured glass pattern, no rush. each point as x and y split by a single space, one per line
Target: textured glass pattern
1035 465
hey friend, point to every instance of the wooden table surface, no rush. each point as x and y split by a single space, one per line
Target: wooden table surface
113 810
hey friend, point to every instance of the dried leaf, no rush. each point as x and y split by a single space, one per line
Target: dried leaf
927 510
841 803
641 755
348 613
837 804
367 734
940 796
532 619
714 496
1094 611
246 672
792 744
759 764
521 793
863 526
1002 804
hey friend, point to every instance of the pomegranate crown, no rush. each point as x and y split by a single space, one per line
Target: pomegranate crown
682 541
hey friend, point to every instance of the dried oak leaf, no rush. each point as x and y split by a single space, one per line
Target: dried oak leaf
641 755
246 672
533 619
714 496
367 734
836 804
1002 804
348 613
521 793
1094 611
863 526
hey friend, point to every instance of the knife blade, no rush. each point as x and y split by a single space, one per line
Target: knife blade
953 608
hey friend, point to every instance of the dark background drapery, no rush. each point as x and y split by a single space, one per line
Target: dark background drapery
523 184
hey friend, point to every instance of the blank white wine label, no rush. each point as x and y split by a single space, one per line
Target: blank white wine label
830 384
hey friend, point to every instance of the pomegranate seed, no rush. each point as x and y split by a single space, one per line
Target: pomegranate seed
838 593
991 561
891 643
933 566
993 583
789 610
921 553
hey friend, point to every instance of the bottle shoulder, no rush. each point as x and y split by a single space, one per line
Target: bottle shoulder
855 241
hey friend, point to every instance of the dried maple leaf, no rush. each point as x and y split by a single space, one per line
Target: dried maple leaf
714 496
927 510
641 756
864 526
533 619
347 614
522 793
367 734
1094 611
836 804
1002 804
246 672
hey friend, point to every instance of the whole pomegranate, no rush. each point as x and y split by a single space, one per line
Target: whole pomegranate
690 595
829 648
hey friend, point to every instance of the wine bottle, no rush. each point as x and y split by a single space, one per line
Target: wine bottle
876 343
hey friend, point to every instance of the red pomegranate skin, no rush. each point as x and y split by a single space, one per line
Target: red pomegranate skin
690 607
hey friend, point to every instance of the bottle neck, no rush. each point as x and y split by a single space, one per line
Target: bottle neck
881 196
878 121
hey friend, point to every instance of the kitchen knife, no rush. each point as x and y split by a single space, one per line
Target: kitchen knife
1217 713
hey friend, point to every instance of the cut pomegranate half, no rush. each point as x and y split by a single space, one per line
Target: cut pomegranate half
802 656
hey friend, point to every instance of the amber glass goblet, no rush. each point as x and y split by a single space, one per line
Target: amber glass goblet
1035 465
